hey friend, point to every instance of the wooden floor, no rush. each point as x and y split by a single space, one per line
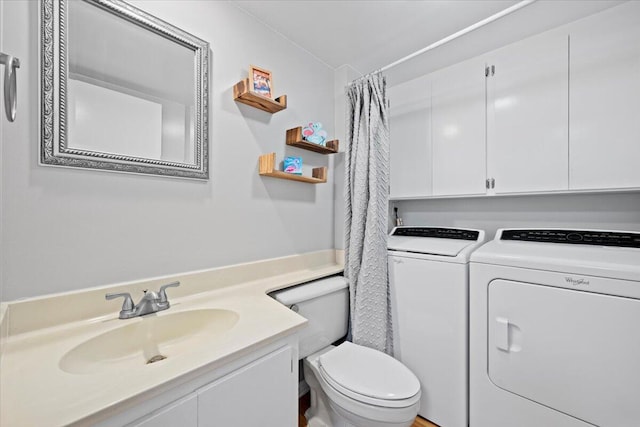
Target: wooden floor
303 405
421 422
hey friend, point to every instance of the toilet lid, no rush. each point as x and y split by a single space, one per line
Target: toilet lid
367 375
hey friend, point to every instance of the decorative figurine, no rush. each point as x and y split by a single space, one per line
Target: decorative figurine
293 165
314 133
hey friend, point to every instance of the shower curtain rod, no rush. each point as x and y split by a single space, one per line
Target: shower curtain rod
462 32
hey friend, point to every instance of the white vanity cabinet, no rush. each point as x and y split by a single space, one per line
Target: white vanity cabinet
527 115
182 413
259 389
410 138
458 129
605 99
259 394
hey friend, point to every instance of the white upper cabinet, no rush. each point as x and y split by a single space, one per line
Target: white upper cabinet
559 111
527 115
410 138
458 129
605 99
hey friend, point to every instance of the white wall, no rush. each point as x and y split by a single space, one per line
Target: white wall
612 211
67 229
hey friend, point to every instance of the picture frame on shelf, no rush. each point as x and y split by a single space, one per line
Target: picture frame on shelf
260 81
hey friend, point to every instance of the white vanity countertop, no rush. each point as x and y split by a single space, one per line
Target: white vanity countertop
35 391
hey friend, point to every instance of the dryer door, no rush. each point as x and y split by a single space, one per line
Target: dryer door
575 352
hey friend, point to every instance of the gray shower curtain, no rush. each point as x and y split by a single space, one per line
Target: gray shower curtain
366 206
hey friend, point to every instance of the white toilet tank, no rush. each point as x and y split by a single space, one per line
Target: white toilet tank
325 304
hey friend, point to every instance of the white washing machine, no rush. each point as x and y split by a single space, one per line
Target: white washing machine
429 277
555 329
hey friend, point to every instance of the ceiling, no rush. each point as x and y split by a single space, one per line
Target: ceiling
368 35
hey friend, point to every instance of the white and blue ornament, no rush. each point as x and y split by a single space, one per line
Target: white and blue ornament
314 133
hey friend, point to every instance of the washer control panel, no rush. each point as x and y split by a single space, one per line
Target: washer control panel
581 237
436 232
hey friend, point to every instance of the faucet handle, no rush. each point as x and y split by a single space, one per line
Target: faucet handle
127 305
163 293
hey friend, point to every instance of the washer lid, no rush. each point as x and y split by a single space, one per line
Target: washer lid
441 241
362 372
427 245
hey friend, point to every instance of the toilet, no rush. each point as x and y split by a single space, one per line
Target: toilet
351 385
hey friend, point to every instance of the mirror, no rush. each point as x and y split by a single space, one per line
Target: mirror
122 91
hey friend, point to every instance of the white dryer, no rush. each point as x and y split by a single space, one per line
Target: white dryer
555 329
429 285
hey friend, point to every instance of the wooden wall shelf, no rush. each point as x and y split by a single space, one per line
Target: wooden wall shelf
241 93
294 137
267 167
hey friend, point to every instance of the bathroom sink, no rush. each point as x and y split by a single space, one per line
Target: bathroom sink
150 339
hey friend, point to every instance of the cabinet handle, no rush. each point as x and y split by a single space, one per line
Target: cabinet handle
489 70
490 183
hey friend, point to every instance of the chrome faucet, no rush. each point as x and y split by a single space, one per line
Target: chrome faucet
151 302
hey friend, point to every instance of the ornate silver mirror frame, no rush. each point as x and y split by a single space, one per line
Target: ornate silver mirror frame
54 105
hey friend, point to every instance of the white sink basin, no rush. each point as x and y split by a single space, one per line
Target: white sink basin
148 339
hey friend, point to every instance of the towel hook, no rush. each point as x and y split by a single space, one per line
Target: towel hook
10 85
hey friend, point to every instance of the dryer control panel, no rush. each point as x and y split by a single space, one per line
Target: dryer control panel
580 237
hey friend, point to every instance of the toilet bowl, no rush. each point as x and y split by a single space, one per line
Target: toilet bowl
351 385
355 386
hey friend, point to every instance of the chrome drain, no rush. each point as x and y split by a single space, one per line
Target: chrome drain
156 358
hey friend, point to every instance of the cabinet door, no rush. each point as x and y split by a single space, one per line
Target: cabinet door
263 393
458 129
605 99
527 114
183 413
410 138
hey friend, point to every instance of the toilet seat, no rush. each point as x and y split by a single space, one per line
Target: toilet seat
369 376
